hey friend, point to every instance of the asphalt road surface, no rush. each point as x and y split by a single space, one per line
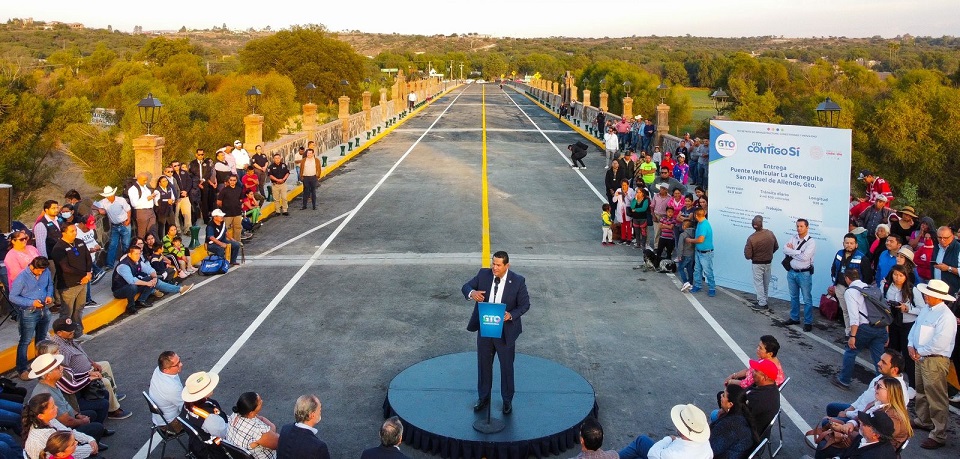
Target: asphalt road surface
337 301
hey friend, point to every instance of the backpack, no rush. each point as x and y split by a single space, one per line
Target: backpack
213 265
878 311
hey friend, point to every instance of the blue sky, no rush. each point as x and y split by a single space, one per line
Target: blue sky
523 18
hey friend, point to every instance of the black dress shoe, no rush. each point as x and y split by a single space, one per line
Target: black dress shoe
481 404
108 433
507 407
102 447
807 327
792 322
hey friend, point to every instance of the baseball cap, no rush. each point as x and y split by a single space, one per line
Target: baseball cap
64 324
864 173
766 367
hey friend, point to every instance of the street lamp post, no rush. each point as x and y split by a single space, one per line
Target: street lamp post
663 90
311 89
721 101
663 113
828 113
148 148
253 98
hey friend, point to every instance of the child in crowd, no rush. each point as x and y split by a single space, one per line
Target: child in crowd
607 238
250 180
60 445
179 253
162 265
657 156
250 206
86 233
668 162
666 241
685 266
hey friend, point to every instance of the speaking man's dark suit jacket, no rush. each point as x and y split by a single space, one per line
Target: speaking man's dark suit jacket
299 443
383 452
518 302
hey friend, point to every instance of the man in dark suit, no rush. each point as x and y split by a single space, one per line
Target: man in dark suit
391 434
497 284
299 441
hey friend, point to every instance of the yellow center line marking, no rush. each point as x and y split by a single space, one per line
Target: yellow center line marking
484 197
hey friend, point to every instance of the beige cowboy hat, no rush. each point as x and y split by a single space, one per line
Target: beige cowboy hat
199 385
908 210
937 289
691 422
43 364
108 191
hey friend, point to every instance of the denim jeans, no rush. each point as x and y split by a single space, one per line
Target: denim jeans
638 449
834 408
801 283
704 267
119 239
221 252
685 269
10 413
868 337
96 270
33 323
9 448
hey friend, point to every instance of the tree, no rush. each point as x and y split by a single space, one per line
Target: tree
306 55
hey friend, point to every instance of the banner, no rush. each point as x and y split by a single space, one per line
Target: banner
491 319
782 173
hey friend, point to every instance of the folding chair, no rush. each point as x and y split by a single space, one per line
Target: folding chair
768 435
758 450
166 431
783 384
193 435
902 447
233 451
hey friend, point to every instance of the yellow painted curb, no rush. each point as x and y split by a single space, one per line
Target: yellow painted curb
109 312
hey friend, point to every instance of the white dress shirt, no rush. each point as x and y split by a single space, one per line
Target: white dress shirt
803 258
166 391
668 448
499 288
934 332
141 197
870 395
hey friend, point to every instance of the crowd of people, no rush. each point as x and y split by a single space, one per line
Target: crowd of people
136 235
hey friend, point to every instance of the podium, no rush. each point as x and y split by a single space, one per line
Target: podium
491 326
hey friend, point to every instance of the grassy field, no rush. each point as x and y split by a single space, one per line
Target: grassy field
702 108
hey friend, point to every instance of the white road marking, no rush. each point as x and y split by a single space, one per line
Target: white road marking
245 336
291 240
784 404
565 159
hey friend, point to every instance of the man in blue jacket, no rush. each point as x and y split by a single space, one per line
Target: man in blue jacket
848 257
497 284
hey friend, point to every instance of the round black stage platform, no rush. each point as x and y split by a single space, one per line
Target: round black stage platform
435 398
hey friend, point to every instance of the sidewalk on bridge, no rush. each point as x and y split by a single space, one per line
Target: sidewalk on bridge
109 309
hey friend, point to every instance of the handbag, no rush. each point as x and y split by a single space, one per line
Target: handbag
213 265
94 391
787 259
829 307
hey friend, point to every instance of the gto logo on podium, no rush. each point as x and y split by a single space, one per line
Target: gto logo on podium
491 319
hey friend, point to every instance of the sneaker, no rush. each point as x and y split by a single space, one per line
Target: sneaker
185 289
808 327
836 382
955 398
712 292
686 287
696 289
157 294
100 275
183 274
120 397
89 303
583 167
83 338
25 375
119 414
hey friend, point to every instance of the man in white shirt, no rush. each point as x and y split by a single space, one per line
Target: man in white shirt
241 158
801 249
166 388
611 144
142 199
890 365
117 211
691 442
863 334
930 342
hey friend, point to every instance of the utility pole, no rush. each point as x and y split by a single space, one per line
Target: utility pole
461 71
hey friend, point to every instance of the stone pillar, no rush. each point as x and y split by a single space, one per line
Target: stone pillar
400 98
344 117
366 110
148 155
383 103
309 120
573 94
603 101
252 131
556 87
663 122
586 98
627 108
